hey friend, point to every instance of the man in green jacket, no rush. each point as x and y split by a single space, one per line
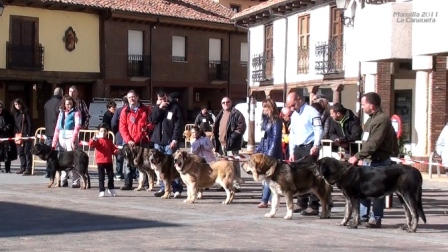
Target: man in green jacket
379 143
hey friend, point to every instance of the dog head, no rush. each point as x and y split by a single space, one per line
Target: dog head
260 166
180 157
156 157
329 169
41 150
129 153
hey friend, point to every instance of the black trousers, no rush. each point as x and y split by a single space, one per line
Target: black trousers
104 169
309 199
25 156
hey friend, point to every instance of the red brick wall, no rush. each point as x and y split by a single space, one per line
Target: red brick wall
438 100
384 86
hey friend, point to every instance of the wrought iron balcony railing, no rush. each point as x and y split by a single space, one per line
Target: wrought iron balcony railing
329 57
303 58
139 65
218 70
261 67
26 57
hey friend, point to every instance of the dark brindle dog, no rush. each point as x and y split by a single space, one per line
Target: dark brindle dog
163 166
289 179
372 182
137 156
57 161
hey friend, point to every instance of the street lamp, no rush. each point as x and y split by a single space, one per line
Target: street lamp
342 5
2 7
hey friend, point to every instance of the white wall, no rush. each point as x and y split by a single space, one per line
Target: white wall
381 33
430 37
256 45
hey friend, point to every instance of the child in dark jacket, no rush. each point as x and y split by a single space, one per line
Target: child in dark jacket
105 148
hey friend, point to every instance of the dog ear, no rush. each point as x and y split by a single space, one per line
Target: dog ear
272 164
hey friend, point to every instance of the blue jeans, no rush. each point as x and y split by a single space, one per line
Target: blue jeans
176 185
266 195
378 203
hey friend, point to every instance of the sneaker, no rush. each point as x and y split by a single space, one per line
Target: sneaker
101 194
159 193
177 195
19 171
374 223
309 212
117 178
112 192
75 186
64 183
262 205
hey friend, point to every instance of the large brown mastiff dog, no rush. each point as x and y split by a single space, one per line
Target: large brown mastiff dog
289 179
135 156
198 175
371 182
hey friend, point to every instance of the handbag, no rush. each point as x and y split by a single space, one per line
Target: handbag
18 136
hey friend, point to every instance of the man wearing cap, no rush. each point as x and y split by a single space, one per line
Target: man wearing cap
204 119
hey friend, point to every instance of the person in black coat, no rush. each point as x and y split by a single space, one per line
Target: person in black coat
8 151
111 108
22 124
345 128
118 138
51 112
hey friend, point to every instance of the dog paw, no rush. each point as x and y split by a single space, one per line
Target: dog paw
269 215
225 202
320 216
137 189
165 196
287 217
342 223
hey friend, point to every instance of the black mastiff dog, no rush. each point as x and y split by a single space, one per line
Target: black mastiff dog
76 161
361 182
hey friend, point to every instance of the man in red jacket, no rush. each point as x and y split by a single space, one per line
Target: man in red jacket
134 128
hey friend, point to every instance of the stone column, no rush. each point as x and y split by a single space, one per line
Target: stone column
420 144
312 90
337 89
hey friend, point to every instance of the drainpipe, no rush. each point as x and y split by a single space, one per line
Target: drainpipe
285 86
229 71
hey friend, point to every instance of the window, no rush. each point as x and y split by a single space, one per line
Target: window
135 42
244 57
214 49
23 48
179 50
269 49
336 43
303 44
235 8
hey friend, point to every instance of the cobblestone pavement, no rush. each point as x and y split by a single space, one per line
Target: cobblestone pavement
34 218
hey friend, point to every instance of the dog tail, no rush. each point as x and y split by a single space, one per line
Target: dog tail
420 211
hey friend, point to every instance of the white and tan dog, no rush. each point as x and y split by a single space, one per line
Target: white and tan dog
198 175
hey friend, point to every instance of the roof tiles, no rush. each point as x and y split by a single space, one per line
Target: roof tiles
203 10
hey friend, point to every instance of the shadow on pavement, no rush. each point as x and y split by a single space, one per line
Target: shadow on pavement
23 220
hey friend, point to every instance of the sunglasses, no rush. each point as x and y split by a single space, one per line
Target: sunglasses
225 102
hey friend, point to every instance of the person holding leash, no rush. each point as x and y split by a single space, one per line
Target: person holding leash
304 140
379 143
104 149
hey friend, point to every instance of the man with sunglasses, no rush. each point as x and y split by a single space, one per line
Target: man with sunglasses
229 129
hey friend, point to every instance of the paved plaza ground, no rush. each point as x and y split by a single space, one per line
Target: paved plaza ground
34 218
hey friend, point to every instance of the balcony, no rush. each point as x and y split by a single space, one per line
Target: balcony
218 70
139 65
303 59
261 67
329 57
24 57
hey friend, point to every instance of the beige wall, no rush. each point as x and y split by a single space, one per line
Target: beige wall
52 27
